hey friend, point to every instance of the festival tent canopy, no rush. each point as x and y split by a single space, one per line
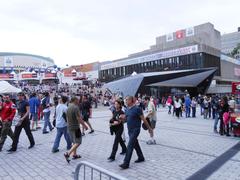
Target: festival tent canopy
5 87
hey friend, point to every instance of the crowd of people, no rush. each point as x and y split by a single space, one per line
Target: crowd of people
71 107
211 107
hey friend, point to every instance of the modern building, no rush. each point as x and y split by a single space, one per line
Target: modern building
194 48
230 41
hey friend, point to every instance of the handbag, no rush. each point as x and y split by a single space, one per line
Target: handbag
144 126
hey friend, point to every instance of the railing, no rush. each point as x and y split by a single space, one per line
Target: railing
93 168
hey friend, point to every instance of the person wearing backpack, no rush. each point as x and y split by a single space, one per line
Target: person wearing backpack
46 113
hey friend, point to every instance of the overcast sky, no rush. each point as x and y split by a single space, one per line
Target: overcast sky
83 31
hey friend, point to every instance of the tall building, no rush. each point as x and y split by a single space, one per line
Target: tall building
230 41
185 59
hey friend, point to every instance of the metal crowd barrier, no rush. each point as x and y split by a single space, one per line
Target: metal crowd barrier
101 172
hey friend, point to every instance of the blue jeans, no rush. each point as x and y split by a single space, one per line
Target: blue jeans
213 113
216 121
60 132
46 116
133 144
169 109
187 111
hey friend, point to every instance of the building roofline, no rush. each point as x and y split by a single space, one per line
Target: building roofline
24 54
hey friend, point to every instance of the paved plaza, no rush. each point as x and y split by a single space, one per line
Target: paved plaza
186 148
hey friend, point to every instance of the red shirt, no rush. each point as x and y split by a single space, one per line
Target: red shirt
8 111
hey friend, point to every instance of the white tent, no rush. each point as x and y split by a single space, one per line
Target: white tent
5 87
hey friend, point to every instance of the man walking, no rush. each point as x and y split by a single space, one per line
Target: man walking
134 115
34 105
86 109
46 113
24 122
61 125
8 110
187 103
74 120
152 115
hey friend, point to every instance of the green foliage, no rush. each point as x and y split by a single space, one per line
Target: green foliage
236 50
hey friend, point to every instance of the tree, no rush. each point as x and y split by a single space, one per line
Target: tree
236 50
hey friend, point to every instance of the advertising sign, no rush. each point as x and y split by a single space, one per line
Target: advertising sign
236 88
169 37
152 57
190 31
236 71
50 75
29 76
179 34
6 76
8 61
67 74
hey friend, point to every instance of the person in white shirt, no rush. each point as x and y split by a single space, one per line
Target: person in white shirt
152 116
231 104
61 125
177 105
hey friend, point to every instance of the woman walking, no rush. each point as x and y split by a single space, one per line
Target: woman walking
116 127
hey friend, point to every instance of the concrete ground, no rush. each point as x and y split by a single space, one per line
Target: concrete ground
186 148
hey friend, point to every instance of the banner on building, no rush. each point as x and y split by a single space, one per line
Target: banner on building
169 37
50 75
179 34
152 57
29 76
8 61
6 76
235 87
236 71
190 31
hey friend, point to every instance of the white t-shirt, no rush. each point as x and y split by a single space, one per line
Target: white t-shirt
151 108
177 104
60 121
231 103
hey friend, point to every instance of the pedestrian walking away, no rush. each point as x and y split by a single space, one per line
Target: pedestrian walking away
86 109
46 104
61 124
74 120
34 105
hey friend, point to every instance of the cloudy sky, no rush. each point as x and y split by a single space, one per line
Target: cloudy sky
82 31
